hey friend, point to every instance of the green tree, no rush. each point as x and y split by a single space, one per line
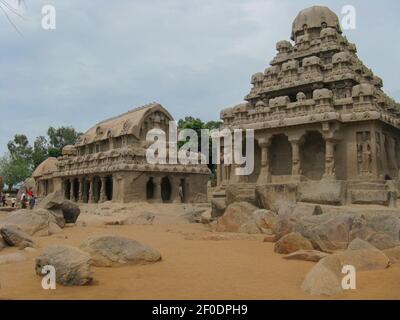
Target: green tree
59 138
13 170
40 151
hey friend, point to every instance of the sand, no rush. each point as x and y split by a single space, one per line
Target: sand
190 269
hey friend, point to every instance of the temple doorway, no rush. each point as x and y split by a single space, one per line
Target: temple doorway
109 188
67 189
313 156
150 189
165 189
280 156
96 189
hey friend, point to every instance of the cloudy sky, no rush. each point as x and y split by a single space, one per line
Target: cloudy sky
193 56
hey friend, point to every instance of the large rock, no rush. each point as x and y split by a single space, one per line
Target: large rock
266 220
235 216
326 231
71 264
109 251
385 223
322 192
272 196
382 241
12 258
324 278
285 222
56 203
306 255
15 237
292 242
240 192
218 207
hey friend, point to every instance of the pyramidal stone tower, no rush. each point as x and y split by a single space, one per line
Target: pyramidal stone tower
325 131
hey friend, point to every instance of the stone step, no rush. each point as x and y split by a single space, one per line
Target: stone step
367 186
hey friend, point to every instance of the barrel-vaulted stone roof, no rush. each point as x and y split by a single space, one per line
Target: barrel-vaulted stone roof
128 123
47 167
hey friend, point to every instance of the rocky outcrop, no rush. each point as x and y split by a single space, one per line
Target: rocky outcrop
56 203
306 255
326 276
31 221
292 242
235 216
110 251
218 207
15 237
71 264
272 196
382 241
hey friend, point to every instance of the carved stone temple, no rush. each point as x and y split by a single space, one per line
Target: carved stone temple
325 131
108 163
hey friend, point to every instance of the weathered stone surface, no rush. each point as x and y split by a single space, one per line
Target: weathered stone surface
393 254
271 196
306 255
265 219
56 203
285 224
71 264
2 243
110 251
324 277
218 207
332 230
30 221
385 223
292 242
12 258
361 196
249 227
239 192
306 209
15 237
206 217
363 256
193 213
382 241
323 192
235 215
270 238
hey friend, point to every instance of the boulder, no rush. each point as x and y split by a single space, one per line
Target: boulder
265 220
71 264
328 230
240 192
270 238
218 207
322 192
285 223
306 255
250 227
15 237
363 256
192 213
324 278
381 241
235 215
206 217
12 258
56 203
292 242
2 243
30 221
385 223
393 254
272 196
110 251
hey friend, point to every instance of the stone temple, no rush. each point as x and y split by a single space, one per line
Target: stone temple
325 131
108 163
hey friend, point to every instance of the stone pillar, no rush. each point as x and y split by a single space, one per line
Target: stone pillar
81 189
265 175
71 190
296 162
329 159
157 189
103 195
91 190
175 181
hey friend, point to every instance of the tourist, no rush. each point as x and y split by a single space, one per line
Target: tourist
180 192
3 200
23 201
32 202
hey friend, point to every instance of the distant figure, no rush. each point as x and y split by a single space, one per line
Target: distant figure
32 202
3 200
180 192
23 201
13 203
30 193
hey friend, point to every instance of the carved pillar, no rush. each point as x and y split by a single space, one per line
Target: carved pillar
103 195
175 183
71 190
296 165
157 189
329 159
265 176
81 190
91 190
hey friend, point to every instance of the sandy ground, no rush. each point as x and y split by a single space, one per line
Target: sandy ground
190 269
